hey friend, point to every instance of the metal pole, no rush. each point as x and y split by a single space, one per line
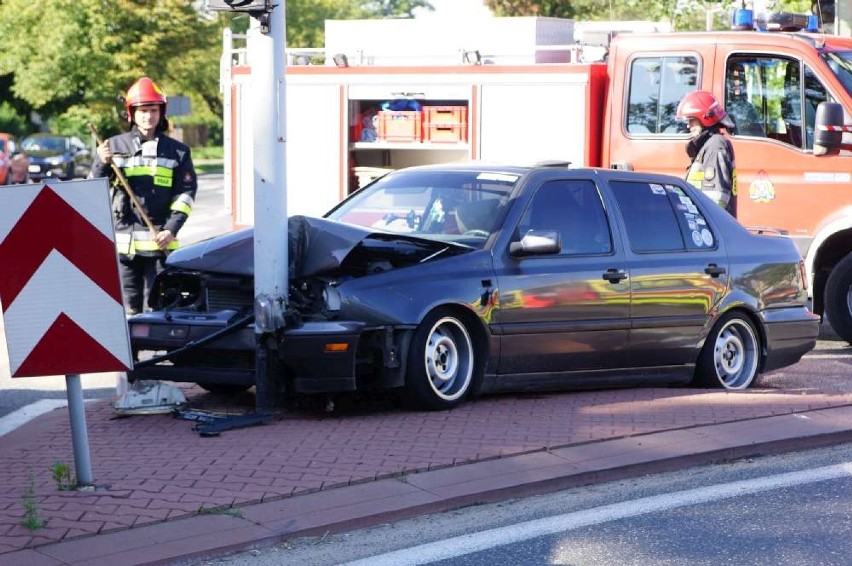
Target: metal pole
79 435
266 44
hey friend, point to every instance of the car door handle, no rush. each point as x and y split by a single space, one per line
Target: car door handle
614 275
714 270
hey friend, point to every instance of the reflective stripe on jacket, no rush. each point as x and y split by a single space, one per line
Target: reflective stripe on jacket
161 174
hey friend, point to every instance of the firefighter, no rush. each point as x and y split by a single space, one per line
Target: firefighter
160 173
713 168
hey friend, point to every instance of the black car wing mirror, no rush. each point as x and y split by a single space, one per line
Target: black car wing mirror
537 242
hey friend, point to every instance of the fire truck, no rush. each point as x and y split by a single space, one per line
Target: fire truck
788 89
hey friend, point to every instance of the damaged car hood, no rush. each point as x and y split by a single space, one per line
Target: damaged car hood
317 246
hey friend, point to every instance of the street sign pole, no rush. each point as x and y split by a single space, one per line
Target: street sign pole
79 435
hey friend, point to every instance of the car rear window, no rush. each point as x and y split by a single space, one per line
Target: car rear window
661 218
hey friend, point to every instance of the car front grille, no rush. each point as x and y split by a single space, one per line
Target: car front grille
221 298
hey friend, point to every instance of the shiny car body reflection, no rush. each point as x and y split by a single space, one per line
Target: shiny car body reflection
445 281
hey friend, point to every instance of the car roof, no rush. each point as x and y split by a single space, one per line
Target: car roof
496 167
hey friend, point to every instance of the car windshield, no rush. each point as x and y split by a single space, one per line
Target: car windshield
460 206
44 144
840 63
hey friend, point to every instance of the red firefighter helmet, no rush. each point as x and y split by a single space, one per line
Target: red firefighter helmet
144 91
702 106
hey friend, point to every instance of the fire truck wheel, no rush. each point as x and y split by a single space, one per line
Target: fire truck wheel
731 355
441 363
838 298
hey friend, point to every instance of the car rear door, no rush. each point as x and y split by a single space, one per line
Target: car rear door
565 311
678 270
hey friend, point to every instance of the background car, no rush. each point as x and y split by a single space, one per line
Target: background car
57 157
446 281
13 161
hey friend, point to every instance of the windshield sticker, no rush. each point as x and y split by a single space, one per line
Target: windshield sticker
497 177
658 189
696 238
707 237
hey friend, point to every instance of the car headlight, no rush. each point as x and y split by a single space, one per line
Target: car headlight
55 160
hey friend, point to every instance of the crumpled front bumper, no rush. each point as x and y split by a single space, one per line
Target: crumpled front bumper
315 357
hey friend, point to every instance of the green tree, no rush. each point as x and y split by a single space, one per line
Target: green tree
86 52
393 8
684 14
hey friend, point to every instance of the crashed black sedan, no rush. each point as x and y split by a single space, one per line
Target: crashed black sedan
447 281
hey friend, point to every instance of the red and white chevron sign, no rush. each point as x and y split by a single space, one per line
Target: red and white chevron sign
59 283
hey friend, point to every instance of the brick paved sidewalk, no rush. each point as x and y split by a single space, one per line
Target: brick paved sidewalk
154 469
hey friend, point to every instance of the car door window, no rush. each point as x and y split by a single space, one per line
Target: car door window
661 218
575 210
775 97
657 85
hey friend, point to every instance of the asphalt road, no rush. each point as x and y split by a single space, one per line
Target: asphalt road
790 509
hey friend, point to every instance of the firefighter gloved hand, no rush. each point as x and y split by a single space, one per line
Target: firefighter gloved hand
104 153
164 238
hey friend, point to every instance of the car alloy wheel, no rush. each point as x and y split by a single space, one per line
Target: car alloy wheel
441 362
731 356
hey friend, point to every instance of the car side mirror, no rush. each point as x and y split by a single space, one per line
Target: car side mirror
537 242
828 133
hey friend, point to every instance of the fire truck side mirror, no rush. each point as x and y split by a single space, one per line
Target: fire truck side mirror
238 5
828 133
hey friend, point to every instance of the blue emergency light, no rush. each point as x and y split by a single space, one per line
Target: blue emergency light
743 19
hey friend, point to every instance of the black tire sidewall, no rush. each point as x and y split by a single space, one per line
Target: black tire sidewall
835 298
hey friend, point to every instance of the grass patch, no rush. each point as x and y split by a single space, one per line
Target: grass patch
208 159
208 152
31 519
228 511
61 474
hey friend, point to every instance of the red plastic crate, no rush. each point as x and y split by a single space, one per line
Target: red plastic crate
400 126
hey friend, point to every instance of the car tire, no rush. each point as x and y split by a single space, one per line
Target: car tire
730 358
441 363
838 298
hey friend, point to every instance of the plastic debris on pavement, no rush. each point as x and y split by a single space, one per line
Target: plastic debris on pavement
150 397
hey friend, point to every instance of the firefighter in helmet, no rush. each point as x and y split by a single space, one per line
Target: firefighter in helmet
712 168
160 173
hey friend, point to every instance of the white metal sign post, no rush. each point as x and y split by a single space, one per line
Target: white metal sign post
266 43
61 292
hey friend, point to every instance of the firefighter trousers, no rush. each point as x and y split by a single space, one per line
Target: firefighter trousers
137 278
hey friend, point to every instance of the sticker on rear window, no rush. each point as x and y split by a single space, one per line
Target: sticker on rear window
696 238
658 189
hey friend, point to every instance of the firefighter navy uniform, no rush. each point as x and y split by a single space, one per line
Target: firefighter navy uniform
713 170
161 174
